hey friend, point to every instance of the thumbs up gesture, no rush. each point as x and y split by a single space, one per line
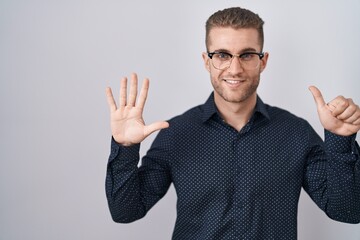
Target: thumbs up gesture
340 116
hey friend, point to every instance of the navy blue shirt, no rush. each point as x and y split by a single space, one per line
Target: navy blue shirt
237 184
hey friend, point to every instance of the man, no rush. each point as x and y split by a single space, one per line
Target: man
237 164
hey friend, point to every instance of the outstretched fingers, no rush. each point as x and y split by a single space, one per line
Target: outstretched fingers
126 99
133 90
110 99
127 124
143 94
123 90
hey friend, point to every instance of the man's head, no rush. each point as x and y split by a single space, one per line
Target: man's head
236 18
234 57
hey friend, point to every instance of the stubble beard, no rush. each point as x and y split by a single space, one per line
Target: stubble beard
241 95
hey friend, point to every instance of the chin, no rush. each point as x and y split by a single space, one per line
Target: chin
238 98
235 100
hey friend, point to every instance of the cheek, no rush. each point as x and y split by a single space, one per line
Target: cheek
259 73
215 74
255 74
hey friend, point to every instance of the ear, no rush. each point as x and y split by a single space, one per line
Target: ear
206 61
264 61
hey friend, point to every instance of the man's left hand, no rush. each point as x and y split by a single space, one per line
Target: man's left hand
341 116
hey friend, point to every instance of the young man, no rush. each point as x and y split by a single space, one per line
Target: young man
237 164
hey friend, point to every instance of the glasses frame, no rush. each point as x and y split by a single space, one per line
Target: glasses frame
211 54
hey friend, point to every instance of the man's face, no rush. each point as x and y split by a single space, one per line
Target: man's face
234 84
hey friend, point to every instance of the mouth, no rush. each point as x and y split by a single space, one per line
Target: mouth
233 82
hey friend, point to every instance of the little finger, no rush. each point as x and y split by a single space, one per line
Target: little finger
349 111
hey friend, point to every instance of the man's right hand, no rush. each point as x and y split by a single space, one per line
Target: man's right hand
126 121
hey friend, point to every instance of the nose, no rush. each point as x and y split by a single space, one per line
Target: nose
235 65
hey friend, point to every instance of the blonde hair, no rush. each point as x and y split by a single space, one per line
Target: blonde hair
236 18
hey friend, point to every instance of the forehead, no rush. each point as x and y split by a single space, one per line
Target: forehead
233 40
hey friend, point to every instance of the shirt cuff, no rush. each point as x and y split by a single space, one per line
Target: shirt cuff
130 152
341 144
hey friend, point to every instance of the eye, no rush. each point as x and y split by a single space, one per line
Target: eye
223 56
246 56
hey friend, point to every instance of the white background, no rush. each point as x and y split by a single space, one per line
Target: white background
57 57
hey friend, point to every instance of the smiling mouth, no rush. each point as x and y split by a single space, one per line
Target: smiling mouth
233 82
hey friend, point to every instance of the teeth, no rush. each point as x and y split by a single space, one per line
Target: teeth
232 81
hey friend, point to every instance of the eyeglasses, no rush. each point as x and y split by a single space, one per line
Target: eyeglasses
248 60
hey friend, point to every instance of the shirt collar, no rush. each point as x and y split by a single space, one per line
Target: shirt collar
209 108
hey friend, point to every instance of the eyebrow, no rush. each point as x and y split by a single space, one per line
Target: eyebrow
249 49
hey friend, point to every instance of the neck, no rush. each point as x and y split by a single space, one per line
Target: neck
236 114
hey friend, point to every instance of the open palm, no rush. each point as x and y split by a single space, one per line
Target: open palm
126 121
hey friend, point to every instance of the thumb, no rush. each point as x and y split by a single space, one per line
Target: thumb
155 127
319 100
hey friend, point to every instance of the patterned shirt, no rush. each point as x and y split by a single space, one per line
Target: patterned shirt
237 184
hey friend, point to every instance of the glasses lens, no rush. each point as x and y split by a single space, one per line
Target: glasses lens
249 60
223 61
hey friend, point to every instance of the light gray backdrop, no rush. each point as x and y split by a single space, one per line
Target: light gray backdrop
57 57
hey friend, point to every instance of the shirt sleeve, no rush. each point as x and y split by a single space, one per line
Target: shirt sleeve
131 191
332 176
